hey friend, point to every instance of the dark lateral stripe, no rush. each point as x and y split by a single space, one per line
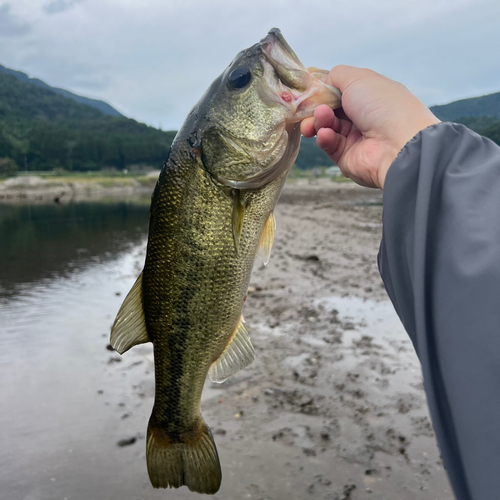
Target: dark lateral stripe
169 413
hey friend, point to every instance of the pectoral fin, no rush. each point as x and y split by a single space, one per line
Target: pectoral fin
238 218
129 328
267 239
237 354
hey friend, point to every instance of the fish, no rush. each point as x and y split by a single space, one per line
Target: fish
212 213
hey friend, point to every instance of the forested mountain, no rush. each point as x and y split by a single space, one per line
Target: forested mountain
42 130
94 103
486 105
481 114
310 156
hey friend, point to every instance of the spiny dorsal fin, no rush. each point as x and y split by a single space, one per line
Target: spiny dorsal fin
238 353
267 238
129 328
238 217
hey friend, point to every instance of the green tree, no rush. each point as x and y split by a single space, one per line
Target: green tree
8 167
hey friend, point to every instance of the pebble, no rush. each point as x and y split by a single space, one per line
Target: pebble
127 441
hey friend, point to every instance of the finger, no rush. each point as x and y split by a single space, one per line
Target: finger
307 127
331 143
342 76
324 117
336 125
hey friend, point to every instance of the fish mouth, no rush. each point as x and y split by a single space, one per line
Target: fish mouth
276 47
284 61
302 90
288 83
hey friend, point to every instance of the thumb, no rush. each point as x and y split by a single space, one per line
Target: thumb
342 76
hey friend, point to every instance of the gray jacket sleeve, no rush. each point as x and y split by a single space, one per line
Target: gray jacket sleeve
440 262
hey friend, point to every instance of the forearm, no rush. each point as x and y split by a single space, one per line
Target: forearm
440 261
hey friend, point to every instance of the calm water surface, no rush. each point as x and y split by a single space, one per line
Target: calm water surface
40 243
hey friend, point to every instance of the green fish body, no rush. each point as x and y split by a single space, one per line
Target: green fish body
211 214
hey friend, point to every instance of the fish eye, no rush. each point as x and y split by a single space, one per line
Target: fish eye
239 78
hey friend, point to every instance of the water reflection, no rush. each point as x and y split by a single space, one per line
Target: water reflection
40 242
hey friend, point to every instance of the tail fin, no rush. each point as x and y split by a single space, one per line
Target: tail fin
194 462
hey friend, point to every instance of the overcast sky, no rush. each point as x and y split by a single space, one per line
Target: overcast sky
152 59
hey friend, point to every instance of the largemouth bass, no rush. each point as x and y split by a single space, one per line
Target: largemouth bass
211 213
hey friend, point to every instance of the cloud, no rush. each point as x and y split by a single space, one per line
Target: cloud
57 6
10 26
153 59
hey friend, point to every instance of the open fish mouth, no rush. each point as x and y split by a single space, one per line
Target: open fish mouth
302 90
284 61
276 48
286 81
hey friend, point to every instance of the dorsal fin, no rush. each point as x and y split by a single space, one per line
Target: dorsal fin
238 353
267 238
129 328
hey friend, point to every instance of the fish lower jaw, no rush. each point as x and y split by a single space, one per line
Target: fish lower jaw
302 105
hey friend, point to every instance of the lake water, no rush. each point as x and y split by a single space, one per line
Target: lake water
64 272
40 243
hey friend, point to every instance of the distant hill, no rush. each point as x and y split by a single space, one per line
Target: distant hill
310 156
102 106
41 129
481 114
486 105
45 128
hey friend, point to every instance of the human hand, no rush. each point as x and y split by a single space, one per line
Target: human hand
378 117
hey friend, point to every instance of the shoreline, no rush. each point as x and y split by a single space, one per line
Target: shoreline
81 188
65 189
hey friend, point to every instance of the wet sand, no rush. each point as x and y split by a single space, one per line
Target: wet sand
332 408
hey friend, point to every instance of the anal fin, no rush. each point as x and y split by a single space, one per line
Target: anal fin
267 238
238 353
129 328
